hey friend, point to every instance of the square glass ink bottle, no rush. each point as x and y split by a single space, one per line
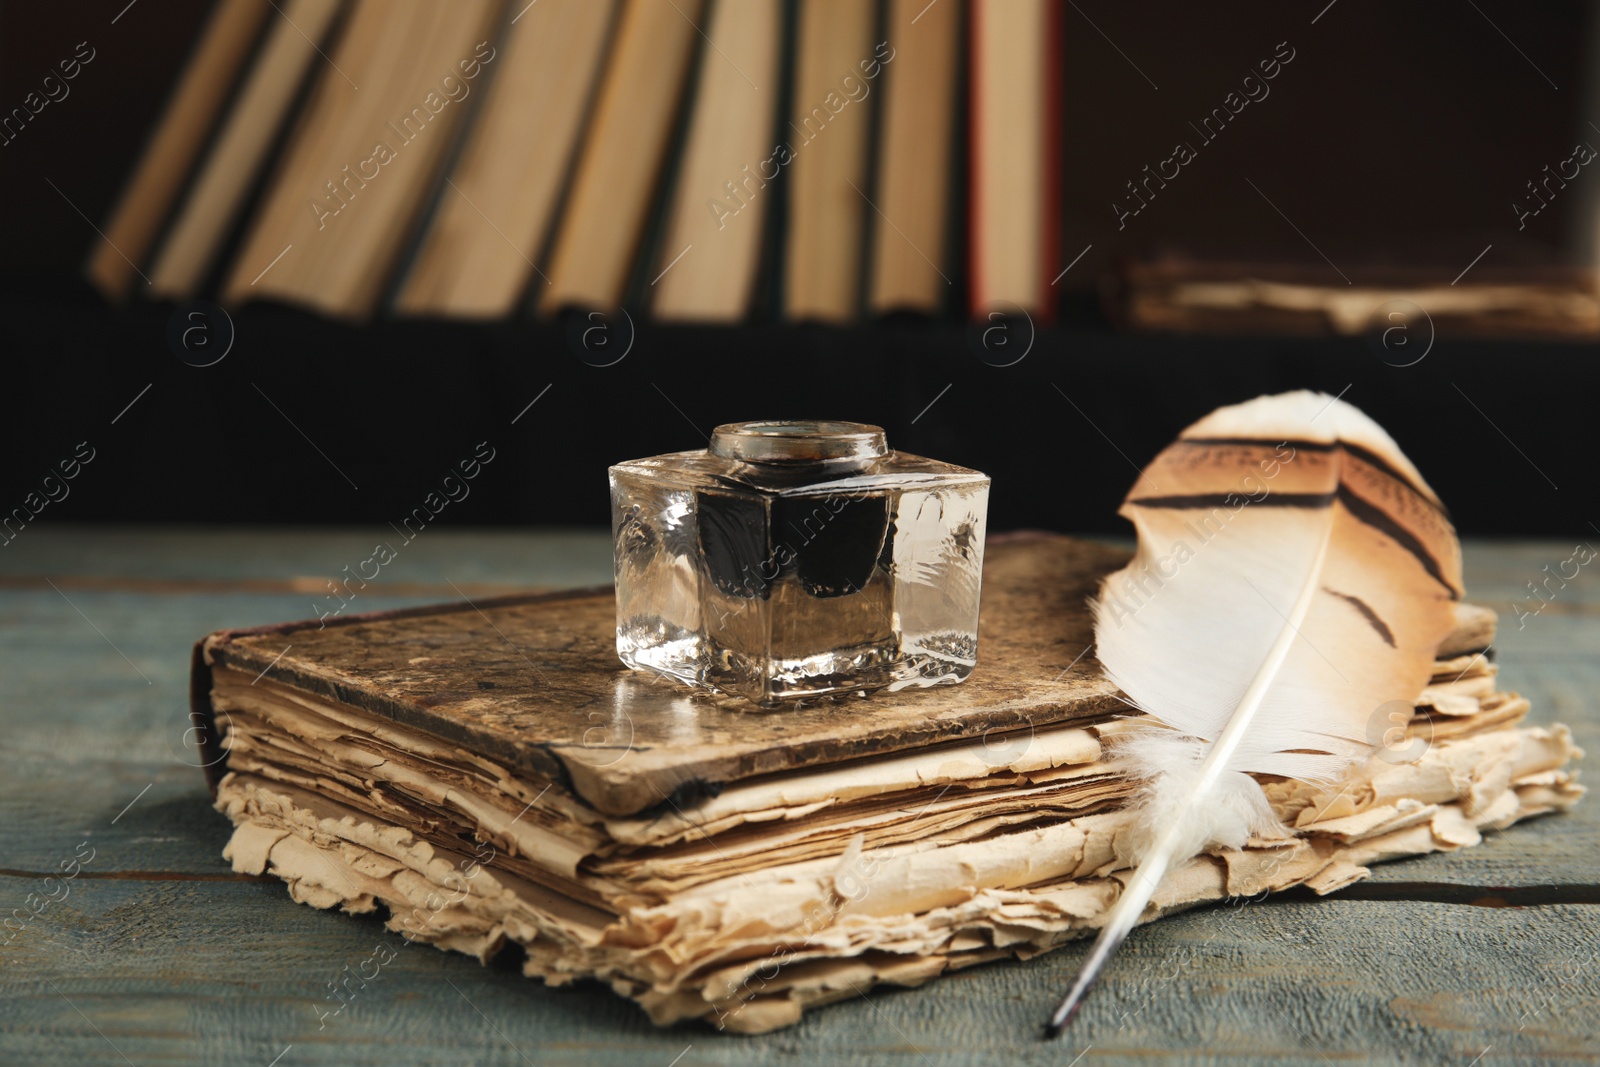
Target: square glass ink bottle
798 559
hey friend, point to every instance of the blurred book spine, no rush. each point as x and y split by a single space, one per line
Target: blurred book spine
197 101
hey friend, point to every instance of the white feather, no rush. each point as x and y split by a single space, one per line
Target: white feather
1294 576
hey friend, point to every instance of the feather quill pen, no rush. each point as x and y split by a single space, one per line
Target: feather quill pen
1293 579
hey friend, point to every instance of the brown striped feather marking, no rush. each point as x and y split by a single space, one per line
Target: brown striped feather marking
1388 501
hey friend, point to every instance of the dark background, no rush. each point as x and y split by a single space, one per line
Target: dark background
1398 134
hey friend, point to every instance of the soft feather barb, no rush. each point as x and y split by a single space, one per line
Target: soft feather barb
1295 574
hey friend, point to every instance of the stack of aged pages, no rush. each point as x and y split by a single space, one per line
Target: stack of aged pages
487 775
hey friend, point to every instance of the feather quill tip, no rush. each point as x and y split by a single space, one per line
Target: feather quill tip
1065 1012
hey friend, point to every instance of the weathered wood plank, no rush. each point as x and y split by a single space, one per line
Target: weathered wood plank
208 973
177 971
137 817
552 558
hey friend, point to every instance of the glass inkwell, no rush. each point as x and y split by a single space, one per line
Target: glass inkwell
798 559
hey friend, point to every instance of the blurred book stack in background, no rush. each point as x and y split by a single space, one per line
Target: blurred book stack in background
690 160
1001 214
703 161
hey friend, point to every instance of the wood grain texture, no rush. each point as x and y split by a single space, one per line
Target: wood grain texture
1247 985
175 970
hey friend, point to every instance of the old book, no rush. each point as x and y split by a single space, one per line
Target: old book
489 775
710 256
381 121
620 166
910 229
237 154
1527 300
197 100
1013 155
533 713
484 243
825 146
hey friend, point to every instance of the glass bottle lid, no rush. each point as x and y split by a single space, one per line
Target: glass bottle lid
800 441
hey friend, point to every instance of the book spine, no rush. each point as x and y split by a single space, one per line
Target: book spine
1050 220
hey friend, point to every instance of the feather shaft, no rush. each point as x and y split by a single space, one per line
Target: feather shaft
1124 914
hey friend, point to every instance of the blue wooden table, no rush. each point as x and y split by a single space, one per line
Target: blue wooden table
155 952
